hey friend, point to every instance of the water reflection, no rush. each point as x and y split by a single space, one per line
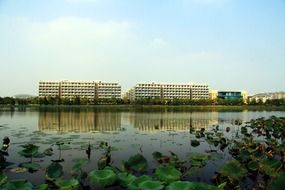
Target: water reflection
112 121
79 121
167 121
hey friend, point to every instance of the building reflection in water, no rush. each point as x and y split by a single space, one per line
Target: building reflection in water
79 121
172 121
142 121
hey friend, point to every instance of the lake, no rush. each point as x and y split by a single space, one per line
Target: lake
128 132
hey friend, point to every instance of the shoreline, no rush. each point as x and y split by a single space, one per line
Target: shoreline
144 107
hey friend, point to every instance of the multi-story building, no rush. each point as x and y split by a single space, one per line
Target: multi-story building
199 91
86 89
263 97
150 90
229 95
278 95
169 91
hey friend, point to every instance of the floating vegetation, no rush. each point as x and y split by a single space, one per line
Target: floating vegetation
251 157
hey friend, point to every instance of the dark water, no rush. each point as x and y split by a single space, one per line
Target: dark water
129 132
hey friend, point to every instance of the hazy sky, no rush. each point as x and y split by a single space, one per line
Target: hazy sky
228 44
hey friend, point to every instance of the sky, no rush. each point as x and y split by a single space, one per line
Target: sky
227 44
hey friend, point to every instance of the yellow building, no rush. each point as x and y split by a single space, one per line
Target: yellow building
169 91
83 89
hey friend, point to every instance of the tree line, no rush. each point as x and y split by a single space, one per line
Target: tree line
146 101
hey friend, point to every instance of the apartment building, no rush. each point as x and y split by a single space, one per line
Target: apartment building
168 91
83 89
263 97
199 91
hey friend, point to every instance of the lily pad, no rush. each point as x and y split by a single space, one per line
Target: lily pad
179 185
253 166
78 164
270 165
43 187
157 155
151 185
202 186
198 159
32 167
134 184
67 185
136 163
54 170
193 171
18 184
195 143
216 156
103 178
279 182
125 178
233 170
29 150
167 173
3 178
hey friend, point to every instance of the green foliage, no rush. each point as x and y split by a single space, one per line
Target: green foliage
151 185
18 184
32 167
167 173
103 178
78 164
233 170
279 182
70 184
125 178
29 150
136 163
54 170
134 184
3 178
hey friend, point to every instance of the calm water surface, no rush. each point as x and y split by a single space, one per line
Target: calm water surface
129 132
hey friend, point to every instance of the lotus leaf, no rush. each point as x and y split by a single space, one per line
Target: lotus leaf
195 143
151 185
18 184
253 165
233 170
103 178
54 170
32 167
157 155
29 150
179 185
193 171
43 187
78 164
3 178
270 165
134 185
167 173
125 178
279 182
67 185
136 163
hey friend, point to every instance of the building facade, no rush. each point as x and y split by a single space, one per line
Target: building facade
84 89
229 95
263 97
168 91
